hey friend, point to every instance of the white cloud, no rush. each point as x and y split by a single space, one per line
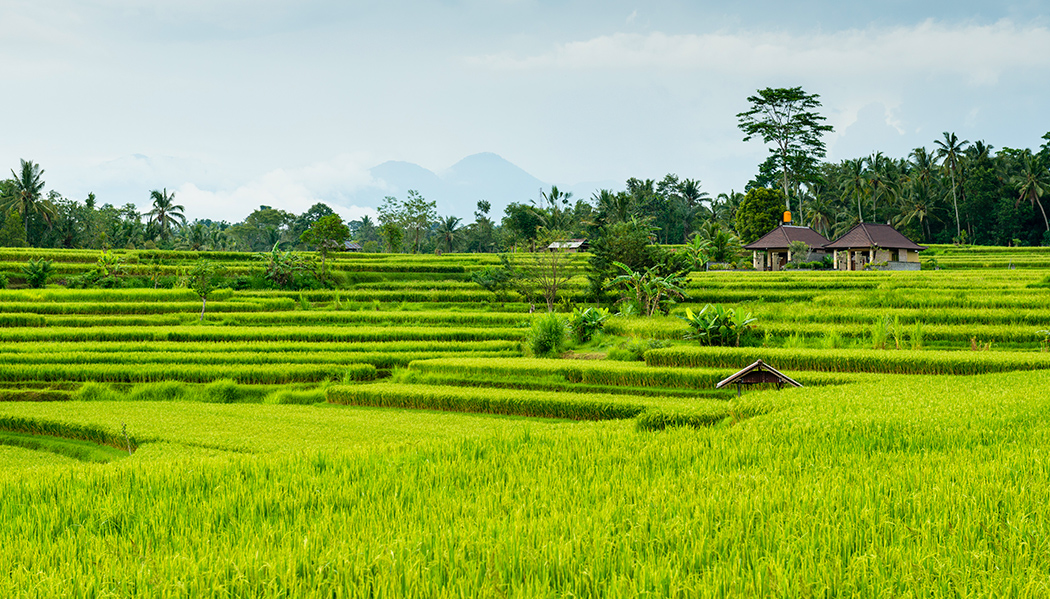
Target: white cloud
293 190
978 52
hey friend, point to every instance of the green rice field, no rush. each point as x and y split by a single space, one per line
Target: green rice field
394 437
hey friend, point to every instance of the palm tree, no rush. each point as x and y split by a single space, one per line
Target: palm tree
165 212
921 165
1033 181
880 182
948 150
448 229
690 193
821 212
917 203
612 207
855 183
26 195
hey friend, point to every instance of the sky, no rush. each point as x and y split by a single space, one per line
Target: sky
238 103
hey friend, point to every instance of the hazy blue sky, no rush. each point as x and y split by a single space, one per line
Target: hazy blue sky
236 103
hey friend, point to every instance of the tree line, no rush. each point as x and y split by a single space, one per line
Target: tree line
955 191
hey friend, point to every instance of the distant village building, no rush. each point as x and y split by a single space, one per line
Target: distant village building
881 246
352 246
572 245
773 250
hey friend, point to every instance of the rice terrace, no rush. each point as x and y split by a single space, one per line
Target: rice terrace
271 383
396 436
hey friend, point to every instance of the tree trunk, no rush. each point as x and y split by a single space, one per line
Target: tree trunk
1045 221
204 304
955 203
784 178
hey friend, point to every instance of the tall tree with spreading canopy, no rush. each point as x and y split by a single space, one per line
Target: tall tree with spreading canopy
786 118
419 214
328 234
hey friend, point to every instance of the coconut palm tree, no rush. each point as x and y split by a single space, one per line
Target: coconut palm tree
26 195
855 183
948 151
448 230
165 212
881 183
1033 181
917 203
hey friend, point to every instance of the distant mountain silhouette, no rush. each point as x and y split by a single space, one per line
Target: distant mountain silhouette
484 176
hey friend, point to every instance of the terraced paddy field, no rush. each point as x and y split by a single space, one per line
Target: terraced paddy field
392 438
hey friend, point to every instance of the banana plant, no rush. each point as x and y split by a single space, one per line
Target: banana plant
652 291
718 325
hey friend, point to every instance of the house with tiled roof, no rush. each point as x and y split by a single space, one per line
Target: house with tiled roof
773 250
877 246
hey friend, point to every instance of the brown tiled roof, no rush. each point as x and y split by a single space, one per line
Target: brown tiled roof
866 235
781 238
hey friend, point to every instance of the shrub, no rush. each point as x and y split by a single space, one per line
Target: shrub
585 323
37 271
547 335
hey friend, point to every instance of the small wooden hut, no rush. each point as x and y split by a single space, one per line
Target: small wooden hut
758 373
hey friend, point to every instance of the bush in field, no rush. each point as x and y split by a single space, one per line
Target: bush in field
547 335
37 271
718 325
282 268
201 282
3 281
585 323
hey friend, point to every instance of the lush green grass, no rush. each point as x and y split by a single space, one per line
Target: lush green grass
936 487
84 451
261 428
19 461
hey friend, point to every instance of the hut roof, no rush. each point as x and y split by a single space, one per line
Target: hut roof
759 372
782 236
571 244
866 235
